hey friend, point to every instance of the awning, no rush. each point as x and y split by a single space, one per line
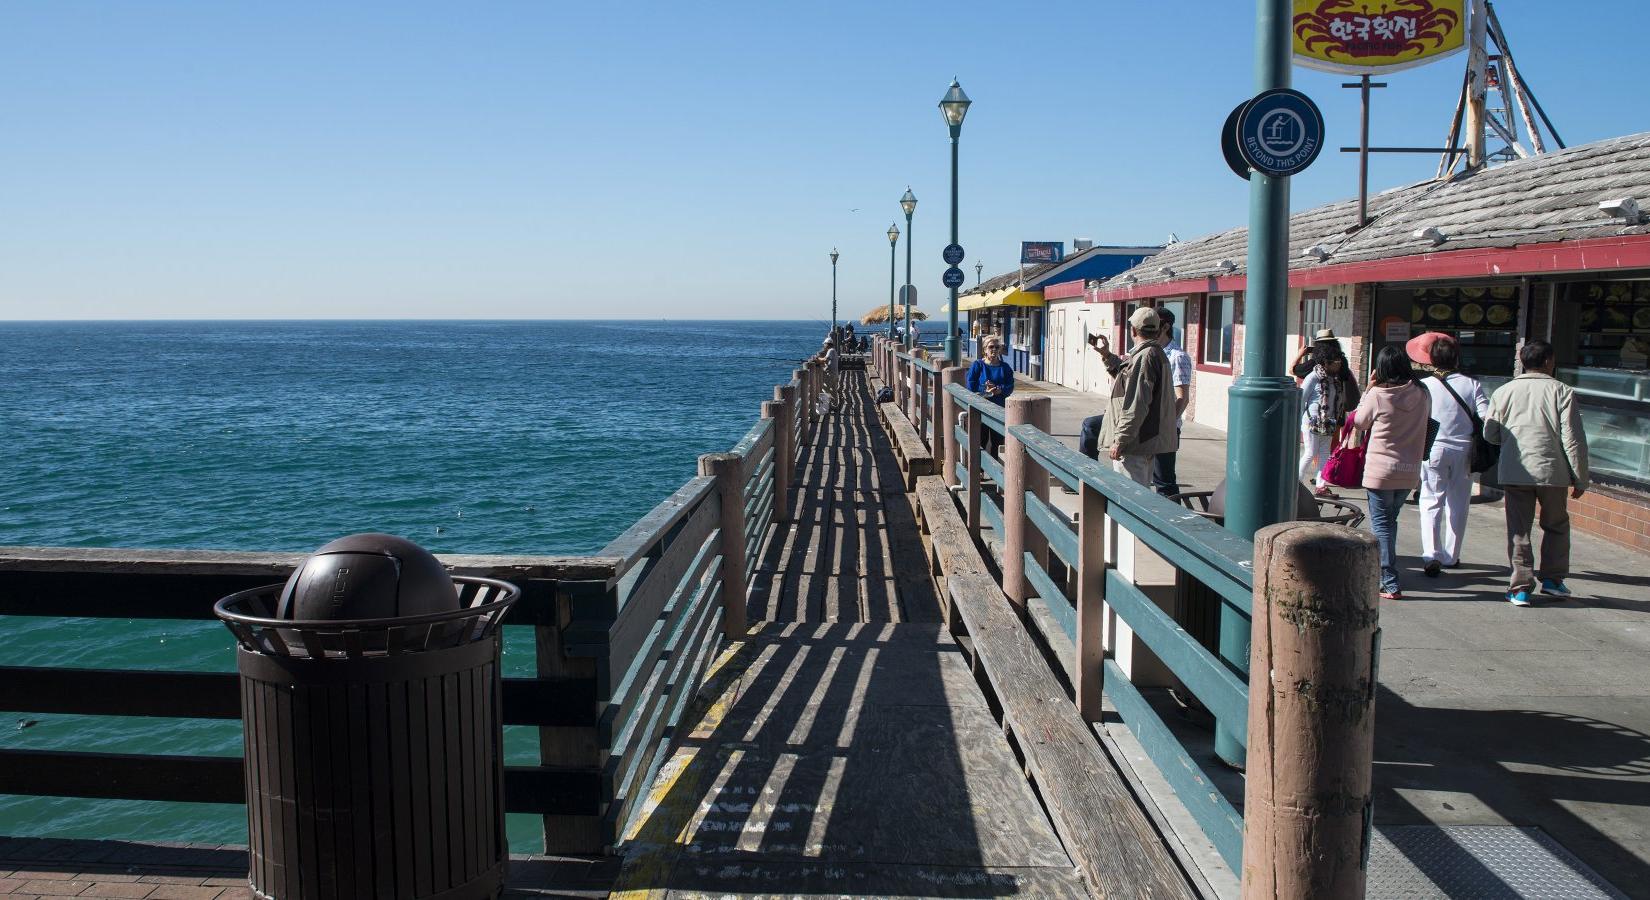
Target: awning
1009 296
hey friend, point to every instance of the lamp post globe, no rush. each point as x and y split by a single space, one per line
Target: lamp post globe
908 203
834 255
954 107
893 266
979 273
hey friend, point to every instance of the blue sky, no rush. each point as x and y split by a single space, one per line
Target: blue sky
655 160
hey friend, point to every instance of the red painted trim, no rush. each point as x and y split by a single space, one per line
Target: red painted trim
1213 369
1064 290
1629 252
1591 255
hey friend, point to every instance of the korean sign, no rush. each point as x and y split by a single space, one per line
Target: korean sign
1369 36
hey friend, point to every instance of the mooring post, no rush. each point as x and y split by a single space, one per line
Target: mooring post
1311 712
1021 475
729 471
948 422
779 411
1091 600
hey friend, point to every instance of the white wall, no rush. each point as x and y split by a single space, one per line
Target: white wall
1211 398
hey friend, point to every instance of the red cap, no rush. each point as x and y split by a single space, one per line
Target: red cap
1419 348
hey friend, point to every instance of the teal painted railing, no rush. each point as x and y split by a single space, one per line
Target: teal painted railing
1217 558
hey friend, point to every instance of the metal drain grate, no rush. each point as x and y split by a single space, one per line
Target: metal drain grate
1480 861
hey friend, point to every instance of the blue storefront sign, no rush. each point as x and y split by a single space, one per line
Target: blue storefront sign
1034 252
1279 132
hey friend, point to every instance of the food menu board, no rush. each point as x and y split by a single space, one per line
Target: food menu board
1481 308
1612 307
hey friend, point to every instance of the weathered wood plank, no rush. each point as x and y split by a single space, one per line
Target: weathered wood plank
1108 836
639 539
219 779
216 695
660 581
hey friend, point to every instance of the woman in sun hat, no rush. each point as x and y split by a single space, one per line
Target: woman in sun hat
1328 393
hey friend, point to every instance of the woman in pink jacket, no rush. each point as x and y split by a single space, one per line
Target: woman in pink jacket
1393 417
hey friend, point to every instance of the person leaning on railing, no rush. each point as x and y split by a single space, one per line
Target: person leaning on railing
1140 414
991 377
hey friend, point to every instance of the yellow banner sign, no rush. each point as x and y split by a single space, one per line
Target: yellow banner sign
1369 36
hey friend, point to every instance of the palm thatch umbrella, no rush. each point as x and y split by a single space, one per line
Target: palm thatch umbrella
879 315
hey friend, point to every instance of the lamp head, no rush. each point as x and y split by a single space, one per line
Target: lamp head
893 233
834 255
954 105
908 202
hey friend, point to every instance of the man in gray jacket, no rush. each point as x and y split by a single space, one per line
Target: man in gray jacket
1140 415
1543 455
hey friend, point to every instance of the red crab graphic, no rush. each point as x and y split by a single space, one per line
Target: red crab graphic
1401 26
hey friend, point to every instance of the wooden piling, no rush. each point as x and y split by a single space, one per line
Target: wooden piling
1020 475
779 410
948 423
729 471
1311 712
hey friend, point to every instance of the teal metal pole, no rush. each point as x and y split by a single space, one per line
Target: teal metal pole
893 267
952 356
1263 403
908 304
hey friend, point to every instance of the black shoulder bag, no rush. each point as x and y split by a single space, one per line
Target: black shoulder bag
1484 454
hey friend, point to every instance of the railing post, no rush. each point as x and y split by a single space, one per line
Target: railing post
1020 475
1311 712
936 390
913 397
779 410
728 469
976 428
948 421
1091 600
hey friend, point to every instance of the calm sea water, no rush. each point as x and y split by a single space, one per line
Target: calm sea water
478 437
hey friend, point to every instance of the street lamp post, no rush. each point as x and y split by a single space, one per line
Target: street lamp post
833 292
1264 402
893 265
979 273
909 204
954 106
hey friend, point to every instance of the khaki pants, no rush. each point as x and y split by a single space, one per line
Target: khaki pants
1521 501
1138 468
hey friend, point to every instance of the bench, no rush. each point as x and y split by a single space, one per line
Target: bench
1109 837
915 459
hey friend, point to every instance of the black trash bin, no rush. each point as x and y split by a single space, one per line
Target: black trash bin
370 700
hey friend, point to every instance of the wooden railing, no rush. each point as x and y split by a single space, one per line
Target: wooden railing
1068 574
622 641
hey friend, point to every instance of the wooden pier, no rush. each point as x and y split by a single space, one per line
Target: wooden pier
807 671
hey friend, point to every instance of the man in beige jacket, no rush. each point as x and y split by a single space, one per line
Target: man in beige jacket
1140 415
1536 421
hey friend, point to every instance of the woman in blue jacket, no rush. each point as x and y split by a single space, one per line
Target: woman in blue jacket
992 378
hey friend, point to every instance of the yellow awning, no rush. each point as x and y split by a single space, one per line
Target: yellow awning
1009 296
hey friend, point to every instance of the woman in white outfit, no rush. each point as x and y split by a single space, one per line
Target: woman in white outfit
1446 476
1327 395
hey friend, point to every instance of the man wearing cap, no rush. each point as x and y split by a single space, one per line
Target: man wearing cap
833 370
1140 414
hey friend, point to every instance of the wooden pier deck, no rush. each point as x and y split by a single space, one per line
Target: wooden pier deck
845 748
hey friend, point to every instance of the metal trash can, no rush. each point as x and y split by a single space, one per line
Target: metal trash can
370 700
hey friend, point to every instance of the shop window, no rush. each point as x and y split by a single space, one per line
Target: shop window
1602 334
1218 331
1314 314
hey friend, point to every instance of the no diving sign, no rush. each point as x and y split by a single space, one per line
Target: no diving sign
1279 132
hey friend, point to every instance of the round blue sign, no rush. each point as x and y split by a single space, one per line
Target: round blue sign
1280 132
953 277
952 254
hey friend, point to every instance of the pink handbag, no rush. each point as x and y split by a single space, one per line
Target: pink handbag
1345 467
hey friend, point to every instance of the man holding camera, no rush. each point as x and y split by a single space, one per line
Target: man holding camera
1141 414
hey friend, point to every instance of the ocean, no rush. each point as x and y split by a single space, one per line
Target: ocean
465 436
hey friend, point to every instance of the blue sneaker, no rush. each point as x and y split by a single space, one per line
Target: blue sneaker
1555 586
1519 598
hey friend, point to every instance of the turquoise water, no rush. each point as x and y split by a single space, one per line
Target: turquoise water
477 437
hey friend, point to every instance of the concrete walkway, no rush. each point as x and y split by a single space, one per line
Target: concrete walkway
1490 714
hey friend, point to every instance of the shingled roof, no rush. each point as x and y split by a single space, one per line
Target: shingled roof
1546 198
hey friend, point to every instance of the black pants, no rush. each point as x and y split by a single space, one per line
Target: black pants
1163 475
1088 442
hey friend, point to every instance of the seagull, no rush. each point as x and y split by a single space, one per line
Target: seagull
855 209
